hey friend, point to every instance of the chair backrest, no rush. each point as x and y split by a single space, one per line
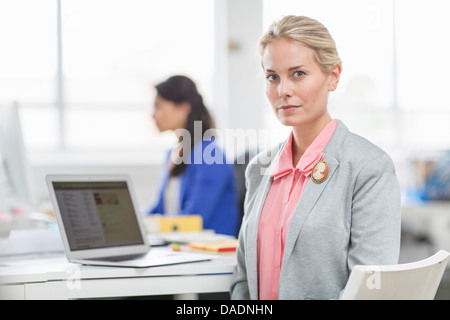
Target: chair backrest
240 165
409 281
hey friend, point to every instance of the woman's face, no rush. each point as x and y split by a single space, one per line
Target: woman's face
296 86
168 115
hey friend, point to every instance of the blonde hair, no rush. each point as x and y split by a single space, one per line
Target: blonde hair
307 31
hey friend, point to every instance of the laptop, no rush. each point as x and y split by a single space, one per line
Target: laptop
100 225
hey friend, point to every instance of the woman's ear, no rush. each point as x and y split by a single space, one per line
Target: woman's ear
335 74
186 107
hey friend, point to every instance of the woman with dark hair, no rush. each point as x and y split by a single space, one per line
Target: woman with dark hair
197 179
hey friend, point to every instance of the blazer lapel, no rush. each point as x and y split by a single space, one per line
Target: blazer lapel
309 198
312 193
253 224
252 263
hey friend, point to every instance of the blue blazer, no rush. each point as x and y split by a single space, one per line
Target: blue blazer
207 187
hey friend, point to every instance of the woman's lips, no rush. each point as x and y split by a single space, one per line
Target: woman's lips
288 107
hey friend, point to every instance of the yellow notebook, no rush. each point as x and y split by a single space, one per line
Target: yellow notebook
184 223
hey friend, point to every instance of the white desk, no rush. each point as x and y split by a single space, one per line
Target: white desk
52 277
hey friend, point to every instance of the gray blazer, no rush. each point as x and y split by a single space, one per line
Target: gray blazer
352 218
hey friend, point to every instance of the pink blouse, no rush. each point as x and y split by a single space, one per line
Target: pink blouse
276 214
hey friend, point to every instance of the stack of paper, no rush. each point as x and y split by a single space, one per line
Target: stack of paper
216 246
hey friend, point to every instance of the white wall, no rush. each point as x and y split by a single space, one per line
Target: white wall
245 85
237 86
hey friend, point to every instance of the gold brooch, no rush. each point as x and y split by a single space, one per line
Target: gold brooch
320 172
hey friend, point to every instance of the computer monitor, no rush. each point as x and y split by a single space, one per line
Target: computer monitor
15 180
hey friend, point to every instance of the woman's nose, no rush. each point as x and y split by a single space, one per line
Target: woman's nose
285 89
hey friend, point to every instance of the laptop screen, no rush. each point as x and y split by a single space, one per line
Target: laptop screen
97 214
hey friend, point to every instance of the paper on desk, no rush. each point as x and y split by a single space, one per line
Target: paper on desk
188 237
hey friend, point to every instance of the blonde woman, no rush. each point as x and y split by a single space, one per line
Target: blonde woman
324 200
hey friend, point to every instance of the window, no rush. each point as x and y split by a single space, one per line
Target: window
392 90
113 53
28 65
422 62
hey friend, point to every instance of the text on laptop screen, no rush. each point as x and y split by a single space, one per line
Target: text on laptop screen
97 214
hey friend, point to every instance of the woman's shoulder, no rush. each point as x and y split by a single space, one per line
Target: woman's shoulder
261 162
358 149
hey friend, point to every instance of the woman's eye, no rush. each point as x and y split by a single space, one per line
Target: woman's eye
298 74
272 77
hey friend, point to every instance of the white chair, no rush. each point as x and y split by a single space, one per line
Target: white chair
409 281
